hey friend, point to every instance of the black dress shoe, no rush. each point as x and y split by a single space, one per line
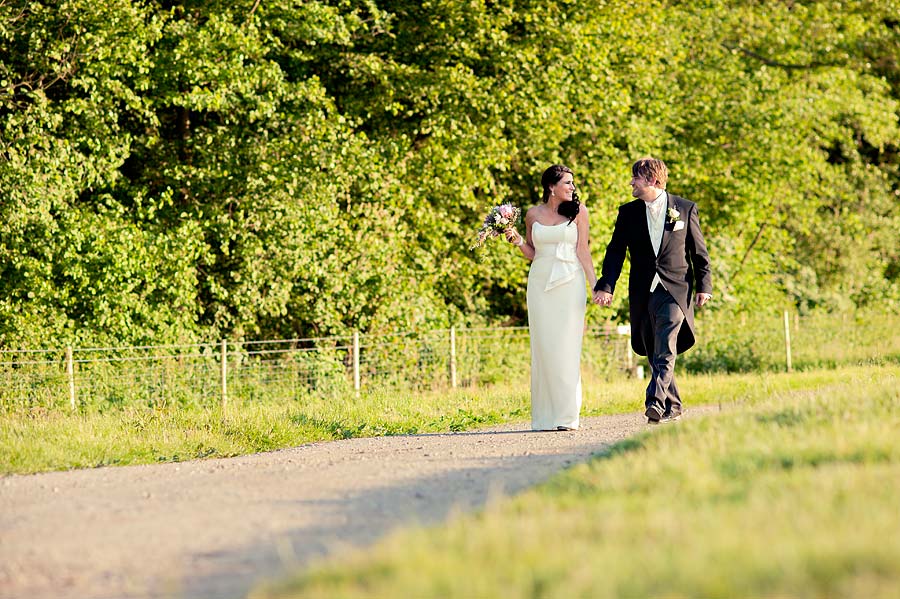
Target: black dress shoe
671 416
654 414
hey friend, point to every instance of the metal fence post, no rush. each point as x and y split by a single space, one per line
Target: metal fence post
70 374
453 357
224 373
356 361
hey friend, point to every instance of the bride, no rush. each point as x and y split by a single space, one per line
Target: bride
556 242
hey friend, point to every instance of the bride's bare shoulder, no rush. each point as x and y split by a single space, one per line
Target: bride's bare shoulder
533 212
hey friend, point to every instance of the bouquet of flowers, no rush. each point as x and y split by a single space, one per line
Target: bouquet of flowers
498 221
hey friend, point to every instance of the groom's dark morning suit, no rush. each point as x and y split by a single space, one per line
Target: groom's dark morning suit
658 319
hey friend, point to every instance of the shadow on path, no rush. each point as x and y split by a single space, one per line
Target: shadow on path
360 519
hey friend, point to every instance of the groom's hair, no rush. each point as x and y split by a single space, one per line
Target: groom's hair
653 169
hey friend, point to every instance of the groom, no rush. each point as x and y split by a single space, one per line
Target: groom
668 262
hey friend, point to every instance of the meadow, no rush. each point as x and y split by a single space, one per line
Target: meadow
789 491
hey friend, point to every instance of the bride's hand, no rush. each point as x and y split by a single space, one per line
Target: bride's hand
513 236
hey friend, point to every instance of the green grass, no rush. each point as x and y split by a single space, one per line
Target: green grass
792 492
43 440
56 439
756 342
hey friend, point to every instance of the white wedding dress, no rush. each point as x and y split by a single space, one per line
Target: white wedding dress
556 309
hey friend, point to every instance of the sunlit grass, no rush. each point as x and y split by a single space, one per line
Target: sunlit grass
756 342
52 440
57 440
791 493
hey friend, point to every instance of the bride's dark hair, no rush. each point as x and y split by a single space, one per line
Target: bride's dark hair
550 178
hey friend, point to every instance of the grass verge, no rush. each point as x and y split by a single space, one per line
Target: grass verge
793 493
43 440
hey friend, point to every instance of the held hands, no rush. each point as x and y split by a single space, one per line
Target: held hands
602 298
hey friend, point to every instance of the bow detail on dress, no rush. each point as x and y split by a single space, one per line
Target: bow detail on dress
565 266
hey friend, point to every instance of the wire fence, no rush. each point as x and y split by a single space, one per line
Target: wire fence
208 374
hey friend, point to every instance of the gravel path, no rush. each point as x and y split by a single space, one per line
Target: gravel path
215 528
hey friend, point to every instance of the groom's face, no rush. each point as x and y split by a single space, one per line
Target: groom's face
643 187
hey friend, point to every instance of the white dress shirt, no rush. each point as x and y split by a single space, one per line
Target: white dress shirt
656 220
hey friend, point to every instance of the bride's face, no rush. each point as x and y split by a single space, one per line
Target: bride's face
564 188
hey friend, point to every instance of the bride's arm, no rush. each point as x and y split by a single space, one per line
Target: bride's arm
582 249
515 238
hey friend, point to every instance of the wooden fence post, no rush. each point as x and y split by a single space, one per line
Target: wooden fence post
224 373
70 374
629 359
356 361
787 340
453 357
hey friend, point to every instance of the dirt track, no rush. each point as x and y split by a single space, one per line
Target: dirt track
215 528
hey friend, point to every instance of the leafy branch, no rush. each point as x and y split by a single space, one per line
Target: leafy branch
775 63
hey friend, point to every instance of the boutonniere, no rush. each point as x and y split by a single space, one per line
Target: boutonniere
675 218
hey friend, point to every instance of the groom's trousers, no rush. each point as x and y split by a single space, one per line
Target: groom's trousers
659 331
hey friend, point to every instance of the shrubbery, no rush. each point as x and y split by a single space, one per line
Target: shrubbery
174 172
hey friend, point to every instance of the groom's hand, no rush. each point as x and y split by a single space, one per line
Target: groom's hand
602 298
702 298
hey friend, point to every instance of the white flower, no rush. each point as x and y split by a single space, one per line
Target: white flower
673 214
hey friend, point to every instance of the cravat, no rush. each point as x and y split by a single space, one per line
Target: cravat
655 224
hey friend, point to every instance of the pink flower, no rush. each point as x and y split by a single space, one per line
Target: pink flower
498 220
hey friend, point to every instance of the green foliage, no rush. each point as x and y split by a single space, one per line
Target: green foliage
178 171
